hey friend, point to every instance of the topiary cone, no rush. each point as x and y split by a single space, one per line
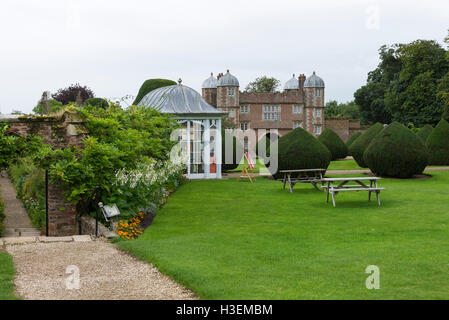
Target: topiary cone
333 142
438 144
359 146
424 132
396 152
352 139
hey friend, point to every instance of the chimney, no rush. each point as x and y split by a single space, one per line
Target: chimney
302 79
219 76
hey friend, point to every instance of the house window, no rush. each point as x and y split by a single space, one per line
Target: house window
318 92
297 109
297 124
318 113
244 126
231 92
271 113
317 129
244 109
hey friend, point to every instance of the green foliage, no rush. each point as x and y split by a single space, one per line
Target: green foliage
298 149
2 216
54 105
347 110
405 85
396 152
359 146
263 84
237 149
424 132
29 181
150 85
352 139
334 143
7 274
267 139
438 144
97 102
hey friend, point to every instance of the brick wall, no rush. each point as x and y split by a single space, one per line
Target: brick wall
58 131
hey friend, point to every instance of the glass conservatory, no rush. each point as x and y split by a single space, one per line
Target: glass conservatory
200 133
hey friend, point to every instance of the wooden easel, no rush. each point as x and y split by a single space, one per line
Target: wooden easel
248 169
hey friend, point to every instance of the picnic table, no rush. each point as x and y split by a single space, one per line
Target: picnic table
292 177
335 185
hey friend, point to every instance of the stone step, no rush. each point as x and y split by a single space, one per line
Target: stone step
21 232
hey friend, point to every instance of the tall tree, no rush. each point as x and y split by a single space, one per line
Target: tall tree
71 93
263 84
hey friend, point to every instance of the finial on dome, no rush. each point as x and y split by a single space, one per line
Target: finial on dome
212 74
228 70
313 72
293 75
179 81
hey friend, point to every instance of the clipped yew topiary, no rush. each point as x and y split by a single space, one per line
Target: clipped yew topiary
396 152
424 132
352 139
150 85
438 144
97 102
359 146
267 139
298 149
333 142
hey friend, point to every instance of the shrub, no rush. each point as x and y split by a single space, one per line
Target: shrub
424 132
396 152
359 146
352 139
226 136
97 102
333 142
70 94
298 149
266 139
150 85
438 144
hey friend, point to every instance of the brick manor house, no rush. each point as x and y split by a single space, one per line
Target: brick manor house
301 104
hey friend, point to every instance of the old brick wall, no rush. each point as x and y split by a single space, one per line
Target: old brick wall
60 131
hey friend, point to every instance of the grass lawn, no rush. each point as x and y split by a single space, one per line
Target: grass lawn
235 240
348 164
7 273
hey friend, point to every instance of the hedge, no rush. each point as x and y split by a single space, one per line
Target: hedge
97 102
359 146
424 132
298 149
150 85
334 143
438 144
352 139
396 152
235 159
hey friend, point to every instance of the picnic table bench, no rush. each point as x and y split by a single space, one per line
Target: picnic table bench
292 177
329 184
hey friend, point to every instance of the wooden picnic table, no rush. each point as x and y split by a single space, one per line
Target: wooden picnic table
292 177
335 185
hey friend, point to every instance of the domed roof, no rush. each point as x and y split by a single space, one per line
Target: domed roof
314 82
292 84
178 99
210 83
228 80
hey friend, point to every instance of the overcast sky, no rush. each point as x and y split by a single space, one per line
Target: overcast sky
113 46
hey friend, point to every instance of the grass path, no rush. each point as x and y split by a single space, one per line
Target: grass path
7 273
235 240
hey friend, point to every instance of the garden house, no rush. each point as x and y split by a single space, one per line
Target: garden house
200 133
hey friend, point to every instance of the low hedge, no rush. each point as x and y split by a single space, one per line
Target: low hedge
396 152
438 144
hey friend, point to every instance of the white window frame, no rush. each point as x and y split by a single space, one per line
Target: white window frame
271 113
244 126
317 129
318 113
244 109
317 92
297 109
231 92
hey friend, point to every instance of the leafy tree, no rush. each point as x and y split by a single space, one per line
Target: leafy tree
263 84
70 94
53 105
347 110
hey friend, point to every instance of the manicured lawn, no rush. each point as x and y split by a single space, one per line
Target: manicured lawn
348 164
7 273
260 167
235 240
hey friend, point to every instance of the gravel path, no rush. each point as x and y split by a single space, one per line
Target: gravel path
106 273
